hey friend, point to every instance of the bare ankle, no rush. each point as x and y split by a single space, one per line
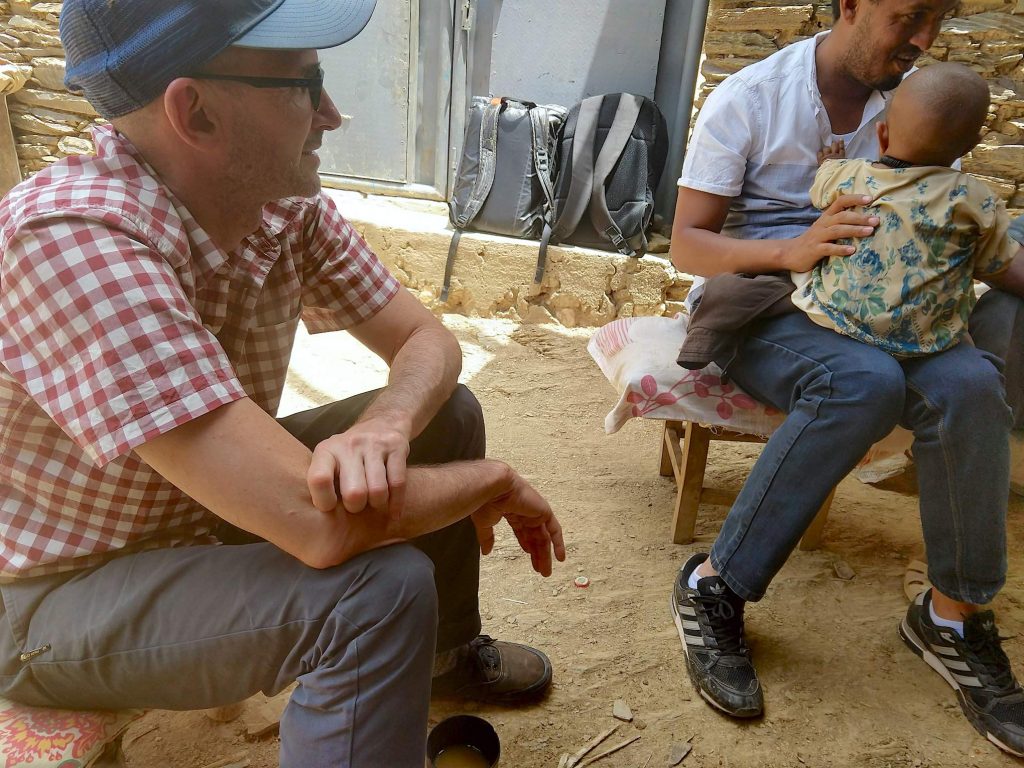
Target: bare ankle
950 609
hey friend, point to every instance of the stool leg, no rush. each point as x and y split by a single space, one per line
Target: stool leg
671 454
690 481
812 536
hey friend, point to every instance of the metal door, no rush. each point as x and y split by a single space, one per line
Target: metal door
393 83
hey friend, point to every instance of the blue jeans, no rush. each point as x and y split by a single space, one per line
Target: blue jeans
841 397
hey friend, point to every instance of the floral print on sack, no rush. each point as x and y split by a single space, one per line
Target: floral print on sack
725 396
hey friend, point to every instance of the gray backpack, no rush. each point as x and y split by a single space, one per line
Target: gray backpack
611 156
505 178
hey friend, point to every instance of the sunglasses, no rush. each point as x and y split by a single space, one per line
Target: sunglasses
314 84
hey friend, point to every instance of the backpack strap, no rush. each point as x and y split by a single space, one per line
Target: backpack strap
449 264
488 155
542 253
481 187
618 134
581 183
542 166
540 124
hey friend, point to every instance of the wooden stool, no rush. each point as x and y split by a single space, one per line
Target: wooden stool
33 737
684 456
638 357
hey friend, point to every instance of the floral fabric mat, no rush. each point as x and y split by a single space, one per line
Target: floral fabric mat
31 737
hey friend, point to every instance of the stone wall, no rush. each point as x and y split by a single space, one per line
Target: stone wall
988 36
48 122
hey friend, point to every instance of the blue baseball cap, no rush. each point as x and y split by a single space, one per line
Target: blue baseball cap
122 54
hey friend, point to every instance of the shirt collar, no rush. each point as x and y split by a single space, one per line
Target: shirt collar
876 103
111 145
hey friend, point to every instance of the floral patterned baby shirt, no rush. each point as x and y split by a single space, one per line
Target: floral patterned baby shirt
908 289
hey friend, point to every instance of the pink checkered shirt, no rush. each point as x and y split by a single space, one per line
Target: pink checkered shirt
120 320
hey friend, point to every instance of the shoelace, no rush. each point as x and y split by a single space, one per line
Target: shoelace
726 623
986 645
488 657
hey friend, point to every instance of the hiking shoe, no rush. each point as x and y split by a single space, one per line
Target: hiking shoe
710 623
977 669
495 671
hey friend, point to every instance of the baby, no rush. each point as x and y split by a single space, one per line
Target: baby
908 288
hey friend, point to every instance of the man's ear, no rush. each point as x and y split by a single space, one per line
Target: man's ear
882 129
188 113
848 9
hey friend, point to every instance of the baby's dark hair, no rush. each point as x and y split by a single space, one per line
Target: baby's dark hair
946 105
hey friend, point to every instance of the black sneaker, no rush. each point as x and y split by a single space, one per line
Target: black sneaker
977 669
710 624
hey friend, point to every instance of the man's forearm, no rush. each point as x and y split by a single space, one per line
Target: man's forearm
422 377
437 497
701 252
1012 279
241 465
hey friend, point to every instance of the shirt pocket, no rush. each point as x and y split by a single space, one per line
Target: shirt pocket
264 366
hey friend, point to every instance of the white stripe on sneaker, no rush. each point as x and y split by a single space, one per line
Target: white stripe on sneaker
956 665
972 682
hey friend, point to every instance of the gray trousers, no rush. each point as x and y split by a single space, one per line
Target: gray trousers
205 626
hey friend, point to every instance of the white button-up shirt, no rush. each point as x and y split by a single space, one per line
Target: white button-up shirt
757 139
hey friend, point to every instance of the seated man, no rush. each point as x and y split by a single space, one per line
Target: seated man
744 207
149 298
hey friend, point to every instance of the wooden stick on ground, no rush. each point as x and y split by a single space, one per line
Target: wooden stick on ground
575 759
607 752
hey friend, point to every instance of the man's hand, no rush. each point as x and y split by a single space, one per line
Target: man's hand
530 518
835 223
365 466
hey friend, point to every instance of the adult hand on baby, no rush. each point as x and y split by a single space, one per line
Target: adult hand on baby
837 222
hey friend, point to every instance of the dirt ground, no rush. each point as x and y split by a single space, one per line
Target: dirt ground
841 689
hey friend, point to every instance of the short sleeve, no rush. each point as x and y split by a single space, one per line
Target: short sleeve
95 326
825 189
722 140
344 283
995 249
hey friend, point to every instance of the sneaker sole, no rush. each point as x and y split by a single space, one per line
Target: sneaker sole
703 694
918 646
